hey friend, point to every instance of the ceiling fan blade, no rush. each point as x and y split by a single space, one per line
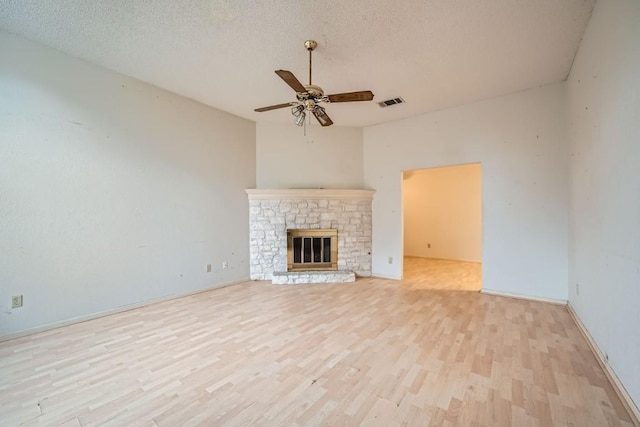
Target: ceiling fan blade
323 119
291 80
274 107
363 95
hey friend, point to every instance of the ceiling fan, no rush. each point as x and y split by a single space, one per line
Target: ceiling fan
310 96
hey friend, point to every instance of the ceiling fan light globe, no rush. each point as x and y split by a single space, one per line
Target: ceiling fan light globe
297 110
299 121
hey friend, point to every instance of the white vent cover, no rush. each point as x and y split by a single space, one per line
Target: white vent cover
390 102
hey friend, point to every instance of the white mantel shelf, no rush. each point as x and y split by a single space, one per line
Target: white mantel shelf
307 193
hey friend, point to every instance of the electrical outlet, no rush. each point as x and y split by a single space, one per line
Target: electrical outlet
16 301
390 260
208 268
428 245
225 264
577 288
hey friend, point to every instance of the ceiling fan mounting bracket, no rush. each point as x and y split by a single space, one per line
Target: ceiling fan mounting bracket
310 45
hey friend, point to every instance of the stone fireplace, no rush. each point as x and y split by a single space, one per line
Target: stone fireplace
317 223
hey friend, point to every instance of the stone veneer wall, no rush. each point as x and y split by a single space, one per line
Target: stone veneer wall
272 212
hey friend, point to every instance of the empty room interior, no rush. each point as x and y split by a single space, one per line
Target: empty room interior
306 213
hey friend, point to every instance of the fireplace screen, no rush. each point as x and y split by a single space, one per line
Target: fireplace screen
312 249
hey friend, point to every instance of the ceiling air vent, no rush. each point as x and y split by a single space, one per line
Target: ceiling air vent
390 102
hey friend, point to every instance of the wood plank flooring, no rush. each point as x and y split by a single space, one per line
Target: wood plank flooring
376 352
429 273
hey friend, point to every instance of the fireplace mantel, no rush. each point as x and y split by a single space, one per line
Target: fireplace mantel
307 194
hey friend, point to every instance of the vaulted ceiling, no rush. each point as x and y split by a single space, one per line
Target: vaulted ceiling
433 53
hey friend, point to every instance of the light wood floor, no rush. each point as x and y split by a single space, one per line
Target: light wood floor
376 352
428 273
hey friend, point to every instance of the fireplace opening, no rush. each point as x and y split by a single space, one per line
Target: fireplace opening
312 250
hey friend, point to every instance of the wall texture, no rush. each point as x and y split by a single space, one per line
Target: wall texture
112 192
323 158
520 141
604 130
442 213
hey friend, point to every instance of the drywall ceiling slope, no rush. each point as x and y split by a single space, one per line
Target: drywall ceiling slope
433 53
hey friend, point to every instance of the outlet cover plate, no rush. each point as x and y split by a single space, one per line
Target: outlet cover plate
16 301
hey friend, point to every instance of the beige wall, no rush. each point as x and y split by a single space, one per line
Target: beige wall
604 132
442 213
520 141
329 157
112 192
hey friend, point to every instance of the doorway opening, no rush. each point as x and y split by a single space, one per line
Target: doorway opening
442 227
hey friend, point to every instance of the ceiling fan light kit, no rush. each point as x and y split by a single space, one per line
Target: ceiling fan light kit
298 113
309 96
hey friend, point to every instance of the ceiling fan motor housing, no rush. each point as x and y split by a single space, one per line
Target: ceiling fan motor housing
312 91
313 95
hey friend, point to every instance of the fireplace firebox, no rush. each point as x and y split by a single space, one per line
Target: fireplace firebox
312 249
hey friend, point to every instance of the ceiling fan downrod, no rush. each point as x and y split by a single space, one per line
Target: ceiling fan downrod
310 45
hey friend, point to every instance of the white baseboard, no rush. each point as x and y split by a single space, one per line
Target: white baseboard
526 297
382 276
444 259
628 403
122 309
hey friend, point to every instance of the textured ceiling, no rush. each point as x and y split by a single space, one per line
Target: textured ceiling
433 53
